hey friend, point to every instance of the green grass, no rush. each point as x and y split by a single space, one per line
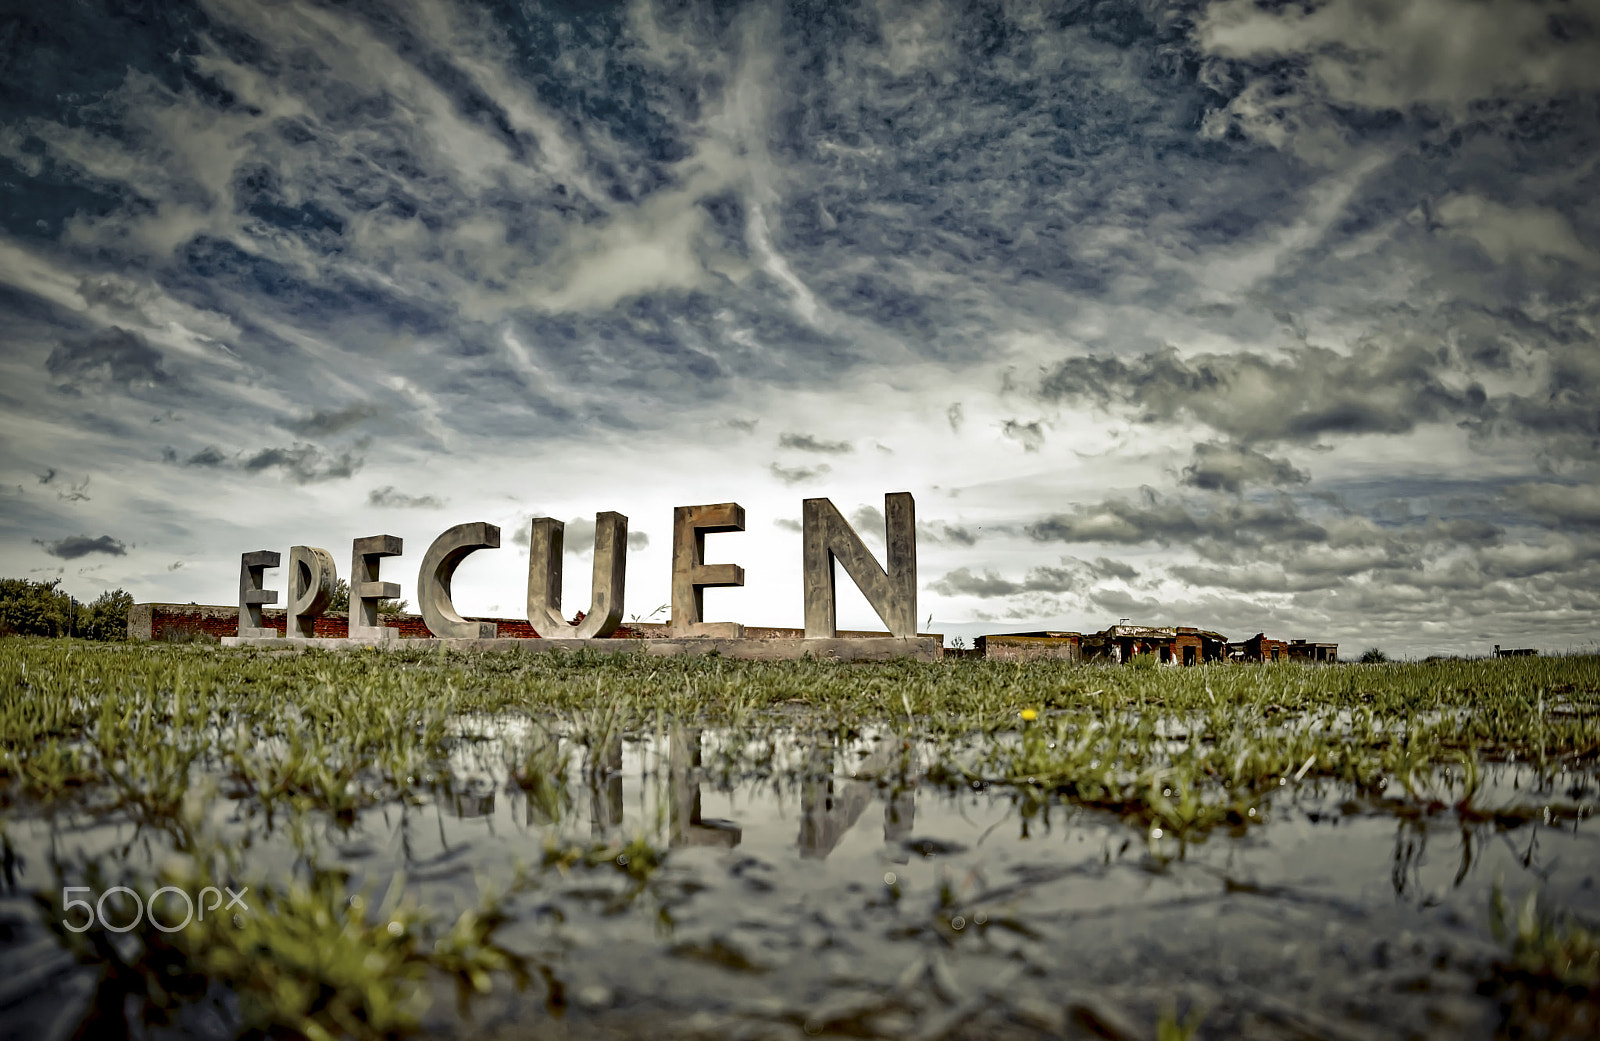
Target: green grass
162 735
126 729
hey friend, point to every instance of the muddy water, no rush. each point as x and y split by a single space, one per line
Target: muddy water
828 889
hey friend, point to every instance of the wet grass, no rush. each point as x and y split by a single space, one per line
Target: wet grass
166 738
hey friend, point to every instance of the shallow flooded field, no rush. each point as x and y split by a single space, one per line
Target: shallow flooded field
563 847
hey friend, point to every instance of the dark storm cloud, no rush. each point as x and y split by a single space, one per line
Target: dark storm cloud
799 474
577 536
899 178
74 546
869 523
1568 505
809 443
1563 415
78 491
1385 385
333 421
1228 467
1309 70
939 531
115 355
962 582
1427 570
1072 575
1283 543
390 497
1103 567
209 456
1165 521
1265 578
652 201
304 463
1029 435
1310 393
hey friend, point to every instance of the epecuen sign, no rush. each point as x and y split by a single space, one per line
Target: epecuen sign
826 538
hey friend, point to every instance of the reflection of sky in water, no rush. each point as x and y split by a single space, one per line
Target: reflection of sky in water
782 881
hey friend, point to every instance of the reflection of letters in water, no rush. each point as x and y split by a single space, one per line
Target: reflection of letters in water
604 777
467 805
829 806
827 539
829 809
689 828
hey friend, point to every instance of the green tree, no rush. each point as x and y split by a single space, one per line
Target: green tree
107 617
29 608
1373 656
341 601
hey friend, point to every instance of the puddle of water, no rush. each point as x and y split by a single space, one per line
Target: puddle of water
830 889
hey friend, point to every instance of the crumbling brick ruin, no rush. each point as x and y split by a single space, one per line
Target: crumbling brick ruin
1167 644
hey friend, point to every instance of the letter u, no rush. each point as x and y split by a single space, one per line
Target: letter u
546 544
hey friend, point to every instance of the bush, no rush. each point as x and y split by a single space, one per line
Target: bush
1373 656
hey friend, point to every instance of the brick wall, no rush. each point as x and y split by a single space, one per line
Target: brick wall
1028 648
176 622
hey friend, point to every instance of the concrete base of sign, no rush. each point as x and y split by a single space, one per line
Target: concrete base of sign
920 648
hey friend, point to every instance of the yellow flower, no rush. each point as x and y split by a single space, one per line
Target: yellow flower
1029 714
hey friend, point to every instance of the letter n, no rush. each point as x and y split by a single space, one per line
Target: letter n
828 537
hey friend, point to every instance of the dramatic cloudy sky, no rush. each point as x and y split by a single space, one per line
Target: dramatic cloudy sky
1249 316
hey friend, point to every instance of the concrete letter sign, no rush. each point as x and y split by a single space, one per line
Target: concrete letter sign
366 590
312 577
691 574
827 537
251 593
433 581
545 545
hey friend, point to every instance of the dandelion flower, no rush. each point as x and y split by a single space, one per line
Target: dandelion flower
1029 714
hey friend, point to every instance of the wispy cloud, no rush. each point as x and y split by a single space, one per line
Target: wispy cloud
325 423
799 474
809 443
391 498
304 463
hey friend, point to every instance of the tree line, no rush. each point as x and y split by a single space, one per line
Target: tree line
29 608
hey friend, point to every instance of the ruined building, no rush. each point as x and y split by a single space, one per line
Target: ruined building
1167 644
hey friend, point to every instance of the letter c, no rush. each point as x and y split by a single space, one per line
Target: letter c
433 581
